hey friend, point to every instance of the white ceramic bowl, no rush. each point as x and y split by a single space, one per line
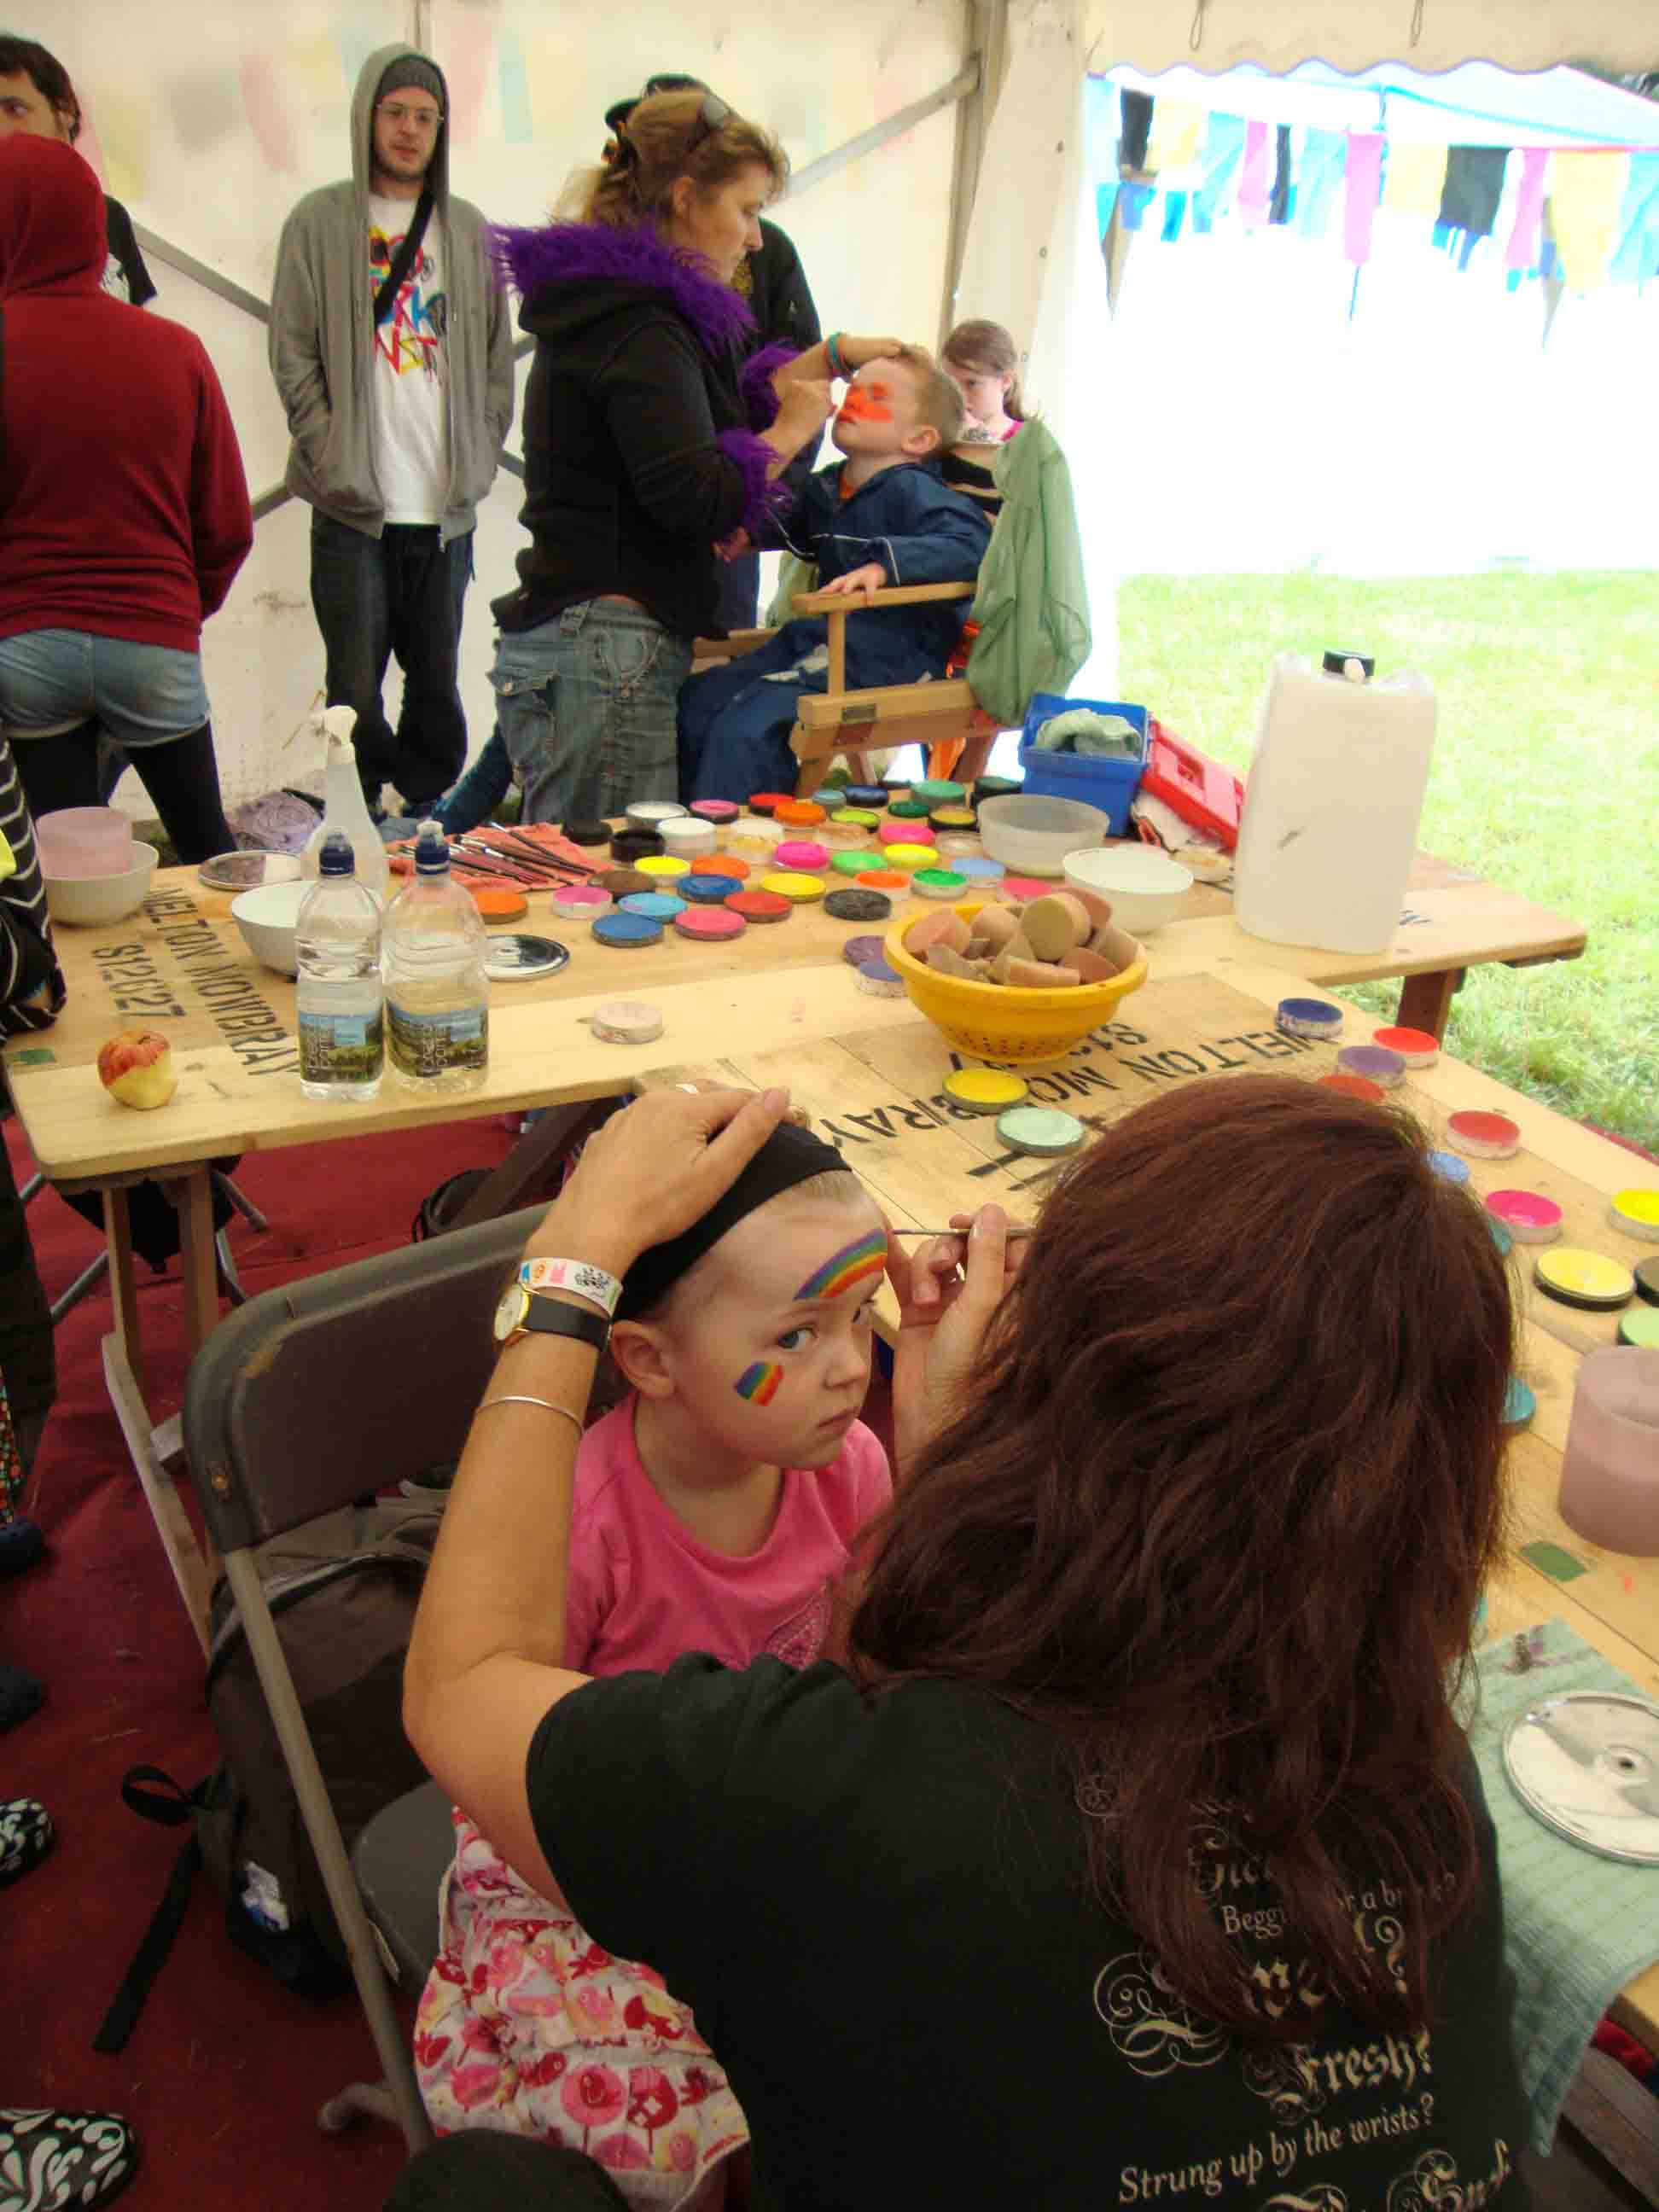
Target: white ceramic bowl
266 919
1145 888
98 899
1031 836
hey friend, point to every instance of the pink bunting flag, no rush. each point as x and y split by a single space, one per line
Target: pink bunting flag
1528 209
1362 188
1255 176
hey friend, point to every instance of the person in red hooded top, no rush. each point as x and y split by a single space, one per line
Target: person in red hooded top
125 513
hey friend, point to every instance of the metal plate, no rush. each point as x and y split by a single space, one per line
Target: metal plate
511 958
246 872
1586 1764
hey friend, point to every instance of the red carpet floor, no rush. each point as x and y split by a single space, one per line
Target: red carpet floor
225 2072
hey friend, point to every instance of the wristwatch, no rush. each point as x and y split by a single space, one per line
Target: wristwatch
521 1310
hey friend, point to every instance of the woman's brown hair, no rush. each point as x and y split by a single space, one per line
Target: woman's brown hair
1218 1514
986 349
664 137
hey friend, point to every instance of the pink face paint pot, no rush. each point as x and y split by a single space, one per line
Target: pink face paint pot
582 901
710 924
1484 1136
801 852
905 833
1374 1061
1417 1048
718 811
1021 888
1530 1217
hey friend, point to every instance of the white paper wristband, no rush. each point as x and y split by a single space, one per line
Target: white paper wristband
580 1277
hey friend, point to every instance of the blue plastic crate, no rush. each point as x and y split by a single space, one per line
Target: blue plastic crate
1108 784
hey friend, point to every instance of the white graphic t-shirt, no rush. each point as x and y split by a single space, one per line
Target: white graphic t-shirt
411 369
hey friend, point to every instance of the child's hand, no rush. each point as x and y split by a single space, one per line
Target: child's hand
652 1170
942 1317
866 582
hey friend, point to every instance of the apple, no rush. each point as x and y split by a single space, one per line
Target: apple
135 1067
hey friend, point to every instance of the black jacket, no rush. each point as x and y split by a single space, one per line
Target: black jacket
641 449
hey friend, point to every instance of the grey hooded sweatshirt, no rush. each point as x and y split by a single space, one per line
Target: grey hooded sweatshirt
322 336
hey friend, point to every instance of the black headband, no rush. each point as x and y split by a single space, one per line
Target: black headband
790 1155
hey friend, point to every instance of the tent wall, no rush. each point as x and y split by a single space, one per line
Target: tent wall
238 110
1431 34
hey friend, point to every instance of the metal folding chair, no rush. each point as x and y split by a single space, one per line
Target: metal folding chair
298 1403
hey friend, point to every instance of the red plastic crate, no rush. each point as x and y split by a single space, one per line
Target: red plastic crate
1199 790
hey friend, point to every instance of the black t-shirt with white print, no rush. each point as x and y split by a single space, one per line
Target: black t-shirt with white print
125 275
878 1909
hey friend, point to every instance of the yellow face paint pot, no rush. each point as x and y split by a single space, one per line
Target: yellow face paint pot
798 890
663 864
984 1090
909 856
1584 1279
1637 1212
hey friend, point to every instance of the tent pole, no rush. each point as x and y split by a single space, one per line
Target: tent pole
986 29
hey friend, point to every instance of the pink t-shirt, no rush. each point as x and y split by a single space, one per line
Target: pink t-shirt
642 1590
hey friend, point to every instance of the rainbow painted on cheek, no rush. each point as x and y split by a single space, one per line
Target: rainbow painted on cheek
858 1262
759 1384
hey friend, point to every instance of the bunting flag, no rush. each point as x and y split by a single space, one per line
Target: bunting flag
1524 239
1256 182
1413 180
1223 151
1177 127
1324 155
1636 256
1362 188
1585 190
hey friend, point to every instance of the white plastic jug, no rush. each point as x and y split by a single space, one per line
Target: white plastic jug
344 807
1332 805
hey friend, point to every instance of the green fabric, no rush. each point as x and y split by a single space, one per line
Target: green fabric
1032 605
1577 1927
794 575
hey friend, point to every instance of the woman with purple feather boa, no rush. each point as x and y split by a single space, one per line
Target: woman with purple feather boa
647 447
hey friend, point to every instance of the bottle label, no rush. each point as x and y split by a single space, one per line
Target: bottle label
341 1047
426 1045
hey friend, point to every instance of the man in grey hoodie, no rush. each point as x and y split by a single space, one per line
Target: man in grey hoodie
391 346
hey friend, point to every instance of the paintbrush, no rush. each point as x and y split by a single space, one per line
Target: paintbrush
1015 1229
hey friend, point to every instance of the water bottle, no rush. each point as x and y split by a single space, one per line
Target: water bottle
437 996
338 996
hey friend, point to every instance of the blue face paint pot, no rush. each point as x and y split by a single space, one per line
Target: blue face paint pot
708 891
627 932
653 906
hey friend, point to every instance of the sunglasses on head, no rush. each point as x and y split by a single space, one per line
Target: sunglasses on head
712 116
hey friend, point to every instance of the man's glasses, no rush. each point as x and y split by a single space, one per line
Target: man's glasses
424 119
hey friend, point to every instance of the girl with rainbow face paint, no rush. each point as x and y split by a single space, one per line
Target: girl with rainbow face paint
758 1359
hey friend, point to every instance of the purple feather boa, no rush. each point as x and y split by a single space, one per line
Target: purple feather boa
760 402
580 252
761 498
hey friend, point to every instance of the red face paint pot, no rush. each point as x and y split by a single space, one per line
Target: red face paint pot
759 906
1021 888
766 802
1484 1136
1530 1217
1417 1048
709 923
1352 1086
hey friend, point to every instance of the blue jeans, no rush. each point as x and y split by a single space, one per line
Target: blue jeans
400 593
52 680
585 703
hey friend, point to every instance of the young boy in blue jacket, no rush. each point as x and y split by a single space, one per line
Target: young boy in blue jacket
881 515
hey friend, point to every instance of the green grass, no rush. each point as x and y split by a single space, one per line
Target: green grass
1545 778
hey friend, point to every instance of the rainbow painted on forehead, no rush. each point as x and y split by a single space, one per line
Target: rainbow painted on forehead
854 1263
759 1384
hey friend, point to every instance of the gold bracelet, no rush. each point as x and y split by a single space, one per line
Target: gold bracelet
523 1397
